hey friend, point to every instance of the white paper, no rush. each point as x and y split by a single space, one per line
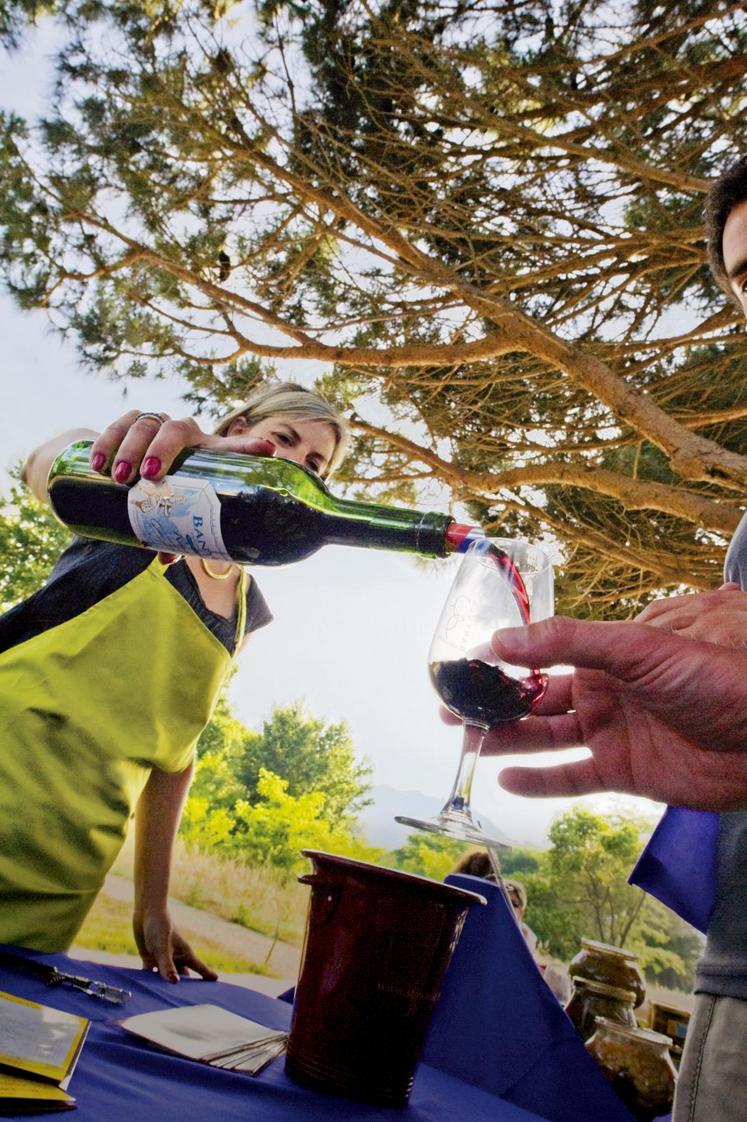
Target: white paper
199 1032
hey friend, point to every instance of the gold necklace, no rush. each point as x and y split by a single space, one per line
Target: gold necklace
216 576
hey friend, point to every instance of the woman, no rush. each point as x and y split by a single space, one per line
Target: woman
109 673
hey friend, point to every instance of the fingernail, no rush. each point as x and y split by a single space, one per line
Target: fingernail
173 977
98 461
151 466
122 471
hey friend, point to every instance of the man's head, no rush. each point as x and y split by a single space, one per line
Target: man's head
726 231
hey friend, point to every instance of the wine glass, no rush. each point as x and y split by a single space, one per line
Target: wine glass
500 583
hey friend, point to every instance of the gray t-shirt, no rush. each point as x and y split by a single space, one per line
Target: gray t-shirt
723 967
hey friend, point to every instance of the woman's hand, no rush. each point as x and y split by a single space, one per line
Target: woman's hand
157 817
162 948
148 444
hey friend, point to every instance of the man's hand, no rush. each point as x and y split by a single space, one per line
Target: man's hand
663 716
715 617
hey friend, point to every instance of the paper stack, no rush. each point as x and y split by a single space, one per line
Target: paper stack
210 1035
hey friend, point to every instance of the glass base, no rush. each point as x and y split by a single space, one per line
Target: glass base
461 827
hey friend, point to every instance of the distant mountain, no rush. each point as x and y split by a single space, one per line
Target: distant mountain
377 821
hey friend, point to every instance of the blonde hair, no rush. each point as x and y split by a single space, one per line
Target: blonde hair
287 399
519 890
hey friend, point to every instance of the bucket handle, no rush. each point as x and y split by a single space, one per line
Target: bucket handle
332 891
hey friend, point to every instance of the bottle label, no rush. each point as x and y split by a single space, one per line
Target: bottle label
177 515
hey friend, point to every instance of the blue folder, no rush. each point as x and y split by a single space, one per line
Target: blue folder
498 1026
678 866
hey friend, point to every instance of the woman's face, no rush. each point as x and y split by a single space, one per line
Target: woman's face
516 904
306 441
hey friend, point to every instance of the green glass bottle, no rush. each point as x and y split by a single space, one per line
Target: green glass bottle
250 509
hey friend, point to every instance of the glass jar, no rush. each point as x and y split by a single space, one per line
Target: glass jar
614 966
590 1000
638 1064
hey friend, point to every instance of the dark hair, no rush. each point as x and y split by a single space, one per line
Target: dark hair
726 192
476 863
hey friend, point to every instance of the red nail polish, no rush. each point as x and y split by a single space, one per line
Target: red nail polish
98 461
151 466
122 471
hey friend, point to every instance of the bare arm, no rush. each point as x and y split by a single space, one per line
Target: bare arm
36 469
157 818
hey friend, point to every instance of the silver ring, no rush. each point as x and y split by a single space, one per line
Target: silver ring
155 416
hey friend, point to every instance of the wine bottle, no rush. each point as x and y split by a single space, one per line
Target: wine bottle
257 510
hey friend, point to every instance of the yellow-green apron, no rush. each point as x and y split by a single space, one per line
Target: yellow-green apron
89 707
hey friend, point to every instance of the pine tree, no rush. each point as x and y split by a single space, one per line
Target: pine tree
484 217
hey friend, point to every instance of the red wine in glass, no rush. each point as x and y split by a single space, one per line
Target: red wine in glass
500 583
482 694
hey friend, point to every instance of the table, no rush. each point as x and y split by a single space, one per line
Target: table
120 1078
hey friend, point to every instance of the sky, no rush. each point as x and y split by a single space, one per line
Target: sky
352 627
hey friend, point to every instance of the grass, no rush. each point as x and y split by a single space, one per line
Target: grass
261 899
108 927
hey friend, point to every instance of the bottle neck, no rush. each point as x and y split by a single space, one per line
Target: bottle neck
348 522
460 537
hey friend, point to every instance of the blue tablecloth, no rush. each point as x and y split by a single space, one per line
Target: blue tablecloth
498 1025
679 865
122 1079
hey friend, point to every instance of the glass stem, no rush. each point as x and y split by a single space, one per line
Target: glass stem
495 864
461 793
